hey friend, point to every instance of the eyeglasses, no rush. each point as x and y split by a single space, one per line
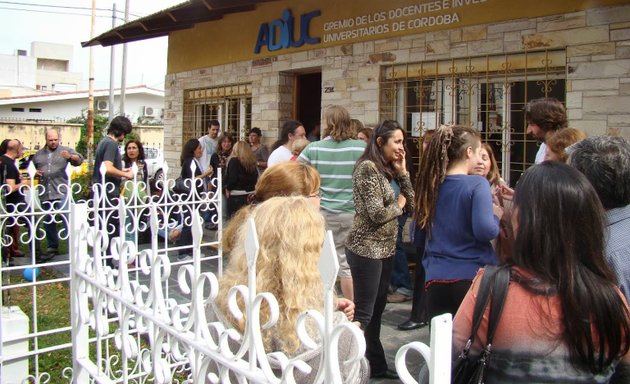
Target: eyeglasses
316 195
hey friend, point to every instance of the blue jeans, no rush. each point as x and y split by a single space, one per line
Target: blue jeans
400 281
50 225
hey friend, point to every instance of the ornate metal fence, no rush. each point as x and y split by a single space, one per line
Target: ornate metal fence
131 318
178 342
36 330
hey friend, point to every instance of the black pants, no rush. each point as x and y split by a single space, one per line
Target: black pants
419 303
234 203
186 238
446 297
370 299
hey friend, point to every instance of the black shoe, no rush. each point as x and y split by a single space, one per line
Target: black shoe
409 325
388 374
43 258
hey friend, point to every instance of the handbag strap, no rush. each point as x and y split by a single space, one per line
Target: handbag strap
483 297
499 292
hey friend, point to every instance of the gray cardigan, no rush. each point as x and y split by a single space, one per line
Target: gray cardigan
374 230
53 165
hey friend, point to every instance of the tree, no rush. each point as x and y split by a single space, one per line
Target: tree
100 123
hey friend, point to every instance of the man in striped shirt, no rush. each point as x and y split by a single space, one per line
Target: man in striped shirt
334 158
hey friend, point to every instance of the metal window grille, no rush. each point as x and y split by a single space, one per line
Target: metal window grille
230 104
486 92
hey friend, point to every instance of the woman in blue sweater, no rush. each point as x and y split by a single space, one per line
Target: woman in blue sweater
455 217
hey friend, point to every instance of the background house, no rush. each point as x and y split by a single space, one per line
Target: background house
142 104
46 69
26 117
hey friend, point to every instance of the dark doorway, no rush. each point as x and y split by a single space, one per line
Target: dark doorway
308 103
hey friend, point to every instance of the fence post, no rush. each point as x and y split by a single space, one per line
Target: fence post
328 269
251 250
438 357
80 331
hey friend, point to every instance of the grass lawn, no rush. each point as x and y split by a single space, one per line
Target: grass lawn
53 311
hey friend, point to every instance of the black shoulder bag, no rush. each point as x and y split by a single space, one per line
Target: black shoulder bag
493 288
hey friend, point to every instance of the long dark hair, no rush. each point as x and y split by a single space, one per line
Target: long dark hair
448 144
188 151
288 127
125 157
374 152
560 240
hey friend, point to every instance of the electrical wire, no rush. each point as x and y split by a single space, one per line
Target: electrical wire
61 6
60 13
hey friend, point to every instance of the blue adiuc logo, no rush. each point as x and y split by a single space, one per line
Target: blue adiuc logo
279 33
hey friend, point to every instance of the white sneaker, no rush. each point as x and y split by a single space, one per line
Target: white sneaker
186 257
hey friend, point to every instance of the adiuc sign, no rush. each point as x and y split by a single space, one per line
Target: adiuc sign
279 33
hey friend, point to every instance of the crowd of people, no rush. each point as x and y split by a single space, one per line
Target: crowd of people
569 284
562 232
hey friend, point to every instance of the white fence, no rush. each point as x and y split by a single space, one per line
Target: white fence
137 313
36 326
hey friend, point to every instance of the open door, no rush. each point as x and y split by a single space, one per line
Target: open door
308 100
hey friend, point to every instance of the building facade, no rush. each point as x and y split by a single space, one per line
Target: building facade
47 69
143 105
423 63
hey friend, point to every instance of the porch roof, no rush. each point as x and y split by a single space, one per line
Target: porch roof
182 16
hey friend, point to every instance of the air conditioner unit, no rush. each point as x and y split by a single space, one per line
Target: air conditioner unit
102 106
148 111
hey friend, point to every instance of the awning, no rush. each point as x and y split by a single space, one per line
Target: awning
177 17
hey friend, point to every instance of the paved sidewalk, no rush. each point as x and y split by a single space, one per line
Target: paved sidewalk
393 339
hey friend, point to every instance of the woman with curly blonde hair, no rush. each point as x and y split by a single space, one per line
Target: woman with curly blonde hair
287 267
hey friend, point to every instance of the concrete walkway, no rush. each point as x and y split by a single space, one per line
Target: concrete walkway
393 339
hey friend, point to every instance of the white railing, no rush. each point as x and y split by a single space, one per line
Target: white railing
437 357
179 336
38 348
132 318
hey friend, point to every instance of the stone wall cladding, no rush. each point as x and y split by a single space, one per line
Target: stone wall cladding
597 44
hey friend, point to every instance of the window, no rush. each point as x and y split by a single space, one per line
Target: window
38 110
230 104
487 92
16 109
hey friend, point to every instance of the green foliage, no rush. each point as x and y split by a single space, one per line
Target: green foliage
100 123
132 136
85 181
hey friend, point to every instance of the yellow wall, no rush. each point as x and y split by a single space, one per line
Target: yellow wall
233 38
31 134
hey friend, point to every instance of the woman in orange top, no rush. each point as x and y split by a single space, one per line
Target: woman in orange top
564 320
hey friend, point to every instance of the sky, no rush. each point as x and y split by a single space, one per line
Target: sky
68 22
